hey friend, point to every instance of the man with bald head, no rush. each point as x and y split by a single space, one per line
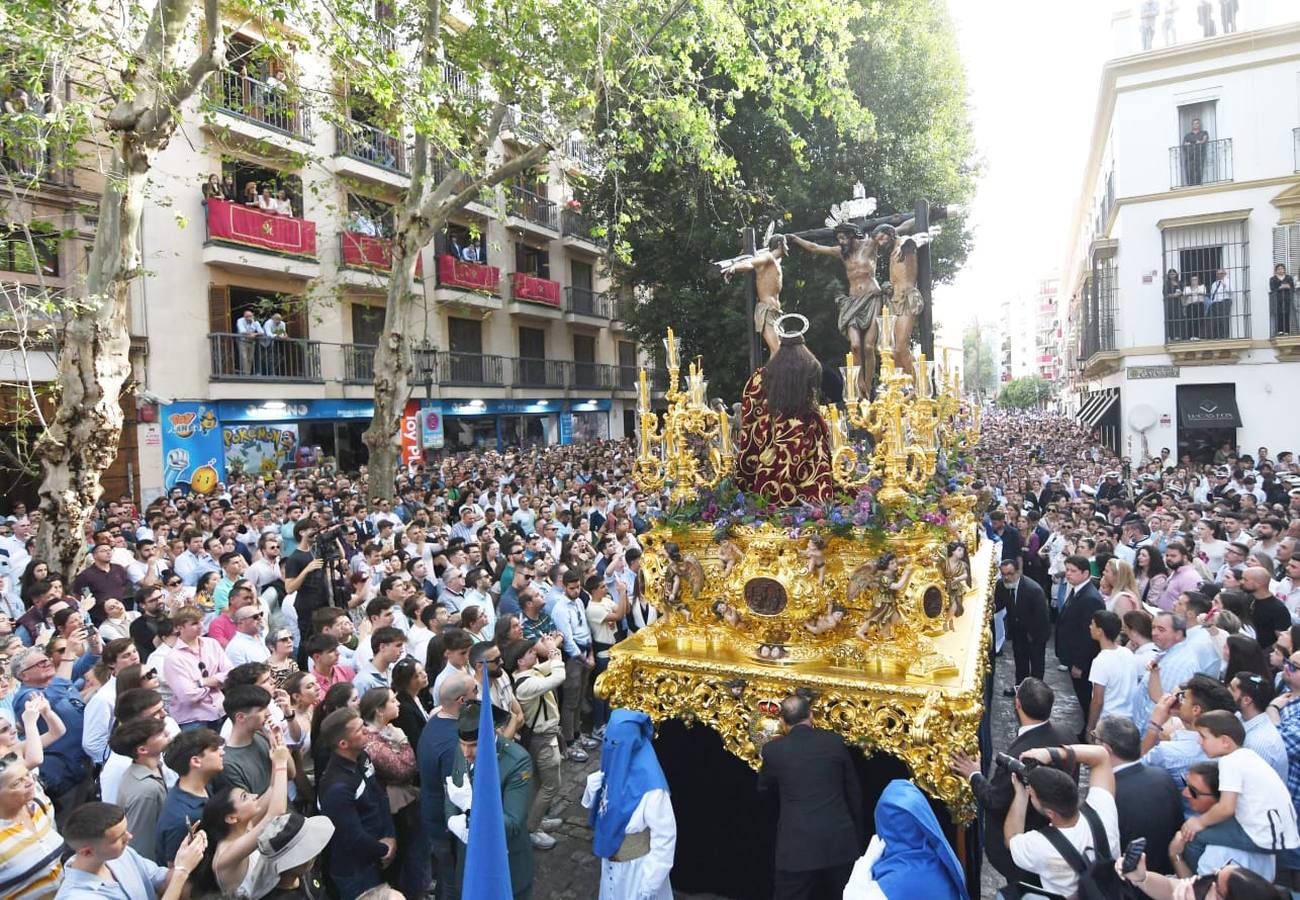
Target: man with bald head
1270 613
436 753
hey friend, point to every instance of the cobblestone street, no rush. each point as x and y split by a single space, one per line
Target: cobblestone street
570 872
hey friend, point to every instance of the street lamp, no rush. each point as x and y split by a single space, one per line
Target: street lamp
425 358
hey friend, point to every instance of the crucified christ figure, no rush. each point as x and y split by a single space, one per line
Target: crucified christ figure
860 307
766 266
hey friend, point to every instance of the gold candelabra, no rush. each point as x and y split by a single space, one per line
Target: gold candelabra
671 452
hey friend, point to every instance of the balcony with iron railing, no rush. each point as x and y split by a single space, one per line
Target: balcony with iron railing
1193 319
471 369
1284 323
459 84
586 302
283 244
542 373
367 253
594 376
268 102
627 378
523 127
576 226
371 145
581 153
522 203
237 357
536 290
1193 165
358 363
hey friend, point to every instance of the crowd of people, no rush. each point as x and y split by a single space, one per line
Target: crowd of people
274 690
280 679
1170 592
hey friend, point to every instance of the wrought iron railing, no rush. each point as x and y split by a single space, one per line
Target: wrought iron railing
371 145
471 369
1283 314
236 357
593 375
524 204
586 302
576 224
1208 162
550 373
358 363
267 101
1195 318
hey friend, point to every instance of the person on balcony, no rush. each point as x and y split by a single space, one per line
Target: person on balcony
249 330
1171 13
1281 289
1228 13
228 189
1193 312
1205 15
250 194
1147 19
212 188
266 202
470 253
1173 292
1195 144
283 205
1218 307
273 332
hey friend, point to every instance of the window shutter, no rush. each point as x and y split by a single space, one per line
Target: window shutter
1286 246
218 309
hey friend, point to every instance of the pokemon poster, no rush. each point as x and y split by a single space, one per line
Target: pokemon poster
193 458
258 448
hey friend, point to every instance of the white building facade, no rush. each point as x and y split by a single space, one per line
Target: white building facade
1190 197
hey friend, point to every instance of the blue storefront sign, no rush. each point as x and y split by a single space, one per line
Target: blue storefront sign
193 455
431 426
293 410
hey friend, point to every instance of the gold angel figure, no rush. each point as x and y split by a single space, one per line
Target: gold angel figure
886 584
731 556
681 571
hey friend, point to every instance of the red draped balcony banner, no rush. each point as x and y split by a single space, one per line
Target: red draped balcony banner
471 276
247 225
538 290
362 251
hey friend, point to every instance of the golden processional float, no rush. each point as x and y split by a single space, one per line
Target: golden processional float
872 604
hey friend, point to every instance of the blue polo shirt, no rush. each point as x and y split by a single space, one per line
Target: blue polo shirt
180 810
65 762
136 879
436 754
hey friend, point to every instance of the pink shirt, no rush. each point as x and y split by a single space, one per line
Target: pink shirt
1185 579
191 701
222 628
339 674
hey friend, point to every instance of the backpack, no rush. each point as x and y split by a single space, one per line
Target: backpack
1098 879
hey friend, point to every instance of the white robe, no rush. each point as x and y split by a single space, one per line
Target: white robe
636 879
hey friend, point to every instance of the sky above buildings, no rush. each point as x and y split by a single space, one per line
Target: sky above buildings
1033 68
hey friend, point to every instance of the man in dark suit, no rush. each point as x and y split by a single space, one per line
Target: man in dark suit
1028 624
994 792
1146 797
1074 644
819 833
1010 537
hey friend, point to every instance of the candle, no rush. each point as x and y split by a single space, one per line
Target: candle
643 392
922 387
724 433
672 350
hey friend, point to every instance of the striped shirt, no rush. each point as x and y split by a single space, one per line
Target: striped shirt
31 866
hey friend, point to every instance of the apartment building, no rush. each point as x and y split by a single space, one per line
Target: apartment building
1190 197
1047 330
517 341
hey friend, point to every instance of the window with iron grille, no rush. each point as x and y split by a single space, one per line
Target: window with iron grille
16 252
1211 297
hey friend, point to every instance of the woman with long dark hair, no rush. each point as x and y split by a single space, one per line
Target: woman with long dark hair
338 696
1243 654
233 819
409 683
1151 573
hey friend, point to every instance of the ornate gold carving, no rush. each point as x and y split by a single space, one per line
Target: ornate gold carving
917 696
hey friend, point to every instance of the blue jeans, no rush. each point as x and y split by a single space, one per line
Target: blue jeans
1225 834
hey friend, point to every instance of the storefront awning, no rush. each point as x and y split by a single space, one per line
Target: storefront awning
1208 406
1097 405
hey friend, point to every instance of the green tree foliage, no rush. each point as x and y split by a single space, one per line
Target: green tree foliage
978 361
672 219
1026 392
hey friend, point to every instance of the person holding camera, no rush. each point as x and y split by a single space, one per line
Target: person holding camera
304 575
1034 701
1090 829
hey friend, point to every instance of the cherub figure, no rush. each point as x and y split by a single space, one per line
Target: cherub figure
956 573
772 651
731 556
728 613
680 571
827 621
880 579
815 553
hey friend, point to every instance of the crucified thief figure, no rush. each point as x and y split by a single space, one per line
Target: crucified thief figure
766 266
859 308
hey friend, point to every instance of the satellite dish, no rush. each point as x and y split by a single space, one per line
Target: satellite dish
1142 417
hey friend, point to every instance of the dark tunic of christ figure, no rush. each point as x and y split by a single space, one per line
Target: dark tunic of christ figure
785 445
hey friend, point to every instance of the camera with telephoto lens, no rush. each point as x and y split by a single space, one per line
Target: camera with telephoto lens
326 546
1017 767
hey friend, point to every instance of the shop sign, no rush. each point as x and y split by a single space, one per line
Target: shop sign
1138 373
193 458
431 433
411 452
290 410
259 448
566 427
